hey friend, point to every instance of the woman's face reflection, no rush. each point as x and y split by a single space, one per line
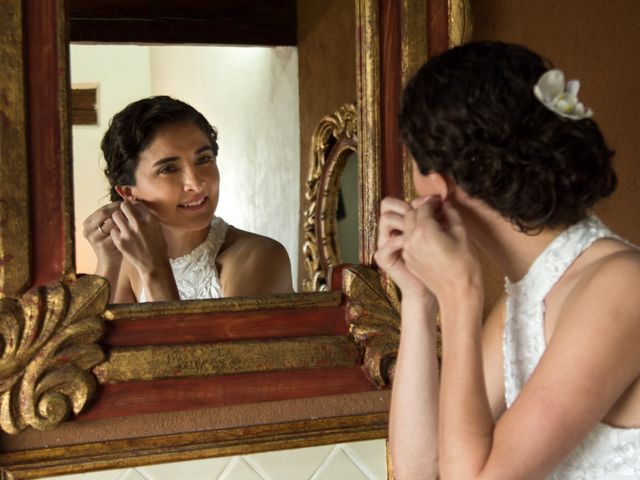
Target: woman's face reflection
177 177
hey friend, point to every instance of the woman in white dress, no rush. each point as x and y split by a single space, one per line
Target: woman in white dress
507 159
159 239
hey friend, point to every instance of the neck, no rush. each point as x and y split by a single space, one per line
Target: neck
182 242
512 250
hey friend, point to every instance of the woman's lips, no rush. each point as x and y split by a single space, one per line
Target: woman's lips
194 204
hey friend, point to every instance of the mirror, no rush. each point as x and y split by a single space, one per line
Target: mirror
331 217
85 386
249 94
347 211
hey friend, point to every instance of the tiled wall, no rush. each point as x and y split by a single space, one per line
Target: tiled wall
346 461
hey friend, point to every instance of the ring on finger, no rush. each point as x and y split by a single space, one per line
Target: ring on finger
102 231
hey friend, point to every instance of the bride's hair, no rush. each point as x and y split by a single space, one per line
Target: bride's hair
133 129
471 114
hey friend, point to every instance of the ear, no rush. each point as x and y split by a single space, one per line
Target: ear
125 192
433 184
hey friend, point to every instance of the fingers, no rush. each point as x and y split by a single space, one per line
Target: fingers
105 227
129 213
394 205
98 223
420 201
391 224
389 254
453 218
392 211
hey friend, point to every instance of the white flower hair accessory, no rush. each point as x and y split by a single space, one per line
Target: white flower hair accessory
559 97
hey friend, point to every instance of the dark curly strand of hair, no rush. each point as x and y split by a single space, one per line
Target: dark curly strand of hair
133 129
470 113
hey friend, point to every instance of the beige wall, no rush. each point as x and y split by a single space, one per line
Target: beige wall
596 42
327 66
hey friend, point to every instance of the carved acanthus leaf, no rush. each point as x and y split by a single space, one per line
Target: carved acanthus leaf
47 350
373 314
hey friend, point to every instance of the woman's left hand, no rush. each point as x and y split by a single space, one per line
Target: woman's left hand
439 251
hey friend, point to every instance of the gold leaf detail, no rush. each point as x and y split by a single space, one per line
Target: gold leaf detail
47 350
373 315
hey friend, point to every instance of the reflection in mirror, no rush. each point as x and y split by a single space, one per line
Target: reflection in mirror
249 94
347 214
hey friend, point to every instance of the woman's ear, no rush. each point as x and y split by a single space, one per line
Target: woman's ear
125 192
433 184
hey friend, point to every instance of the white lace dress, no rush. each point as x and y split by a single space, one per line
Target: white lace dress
196 274
607 452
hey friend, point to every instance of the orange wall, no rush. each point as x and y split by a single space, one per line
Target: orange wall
595 41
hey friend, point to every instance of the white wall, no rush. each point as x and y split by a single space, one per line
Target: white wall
250 94
122 74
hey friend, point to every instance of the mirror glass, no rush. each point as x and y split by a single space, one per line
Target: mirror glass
249 94
347 214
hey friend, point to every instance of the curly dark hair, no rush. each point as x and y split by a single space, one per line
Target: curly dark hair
470 113
133 129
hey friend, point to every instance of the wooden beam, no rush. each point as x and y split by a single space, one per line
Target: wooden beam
240 22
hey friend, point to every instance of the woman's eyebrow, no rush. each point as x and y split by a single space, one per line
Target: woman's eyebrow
204 148
162 161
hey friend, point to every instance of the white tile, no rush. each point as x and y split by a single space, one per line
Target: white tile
205 469
370 456
132 474
294 464
238 469
339 466
101 475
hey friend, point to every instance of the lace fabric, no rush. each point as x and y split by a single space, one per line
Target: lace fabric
607 452
196 274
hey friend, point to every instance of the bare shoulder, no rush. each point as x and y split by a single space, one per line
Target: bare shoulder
609 276
252 264
243 246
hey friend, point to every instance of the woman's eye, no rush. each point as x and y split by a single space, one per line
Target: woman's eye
204 160
168 169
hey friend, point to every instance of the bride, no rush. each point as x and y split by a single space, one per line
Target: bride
159 239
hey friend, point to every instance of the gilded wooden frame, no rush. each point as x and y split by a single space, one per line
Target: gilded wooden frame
334 138
71 363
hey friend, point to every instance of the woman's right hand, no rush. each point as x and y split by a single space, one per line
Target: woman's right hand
138 235
97 230
391 240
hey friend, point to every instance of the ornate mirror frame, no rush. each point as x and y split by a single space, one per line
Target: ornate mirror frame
333 140
86 386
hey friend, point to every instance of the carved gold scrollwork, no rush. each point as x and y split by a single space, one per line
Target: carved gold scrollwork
373 315
334 135
47 350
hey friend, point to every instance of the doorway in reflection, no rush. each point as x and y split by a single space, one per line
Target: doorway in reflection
250 94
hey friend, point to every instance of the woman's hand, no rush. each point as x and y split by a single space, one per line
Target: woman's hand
438 250
138 235
97 229
391 242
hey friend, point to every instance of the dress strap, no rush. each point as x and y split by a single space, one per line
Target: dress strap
555 260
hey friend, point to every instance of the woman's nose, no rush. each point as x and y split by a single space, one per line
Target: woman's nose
192 179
